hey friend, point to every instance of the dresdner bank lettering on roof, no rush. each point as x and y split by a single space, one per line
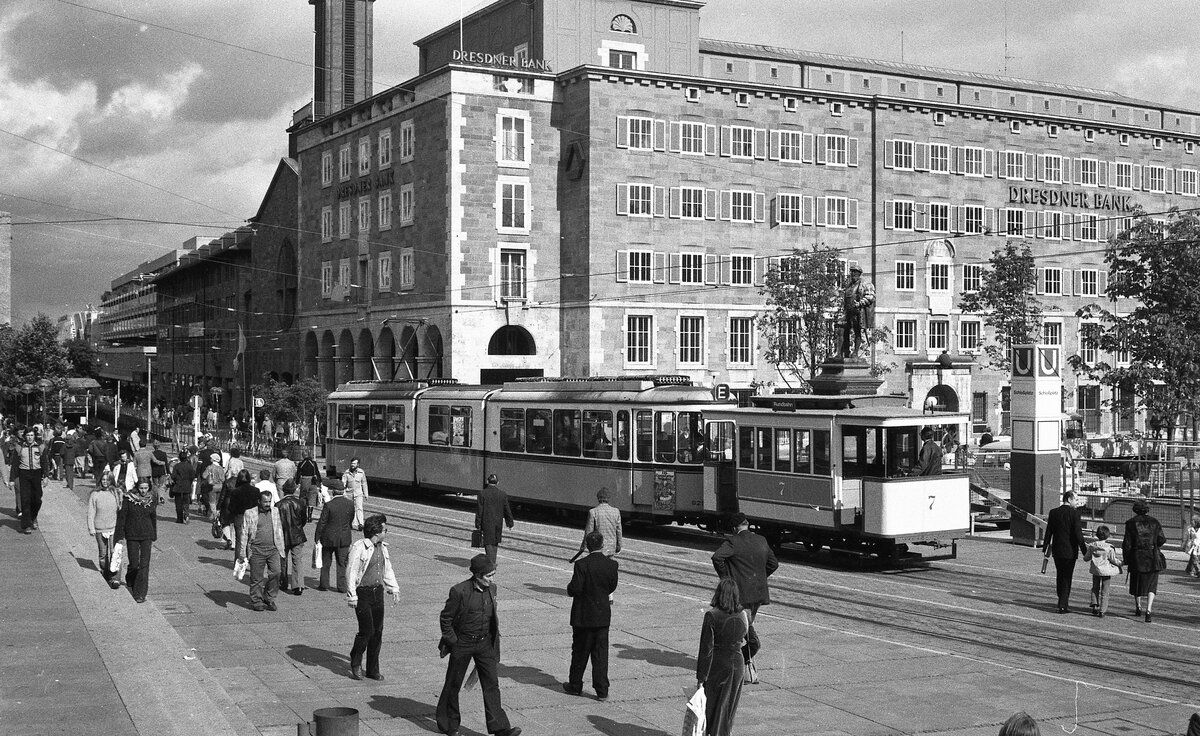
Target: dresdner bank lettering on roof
504 60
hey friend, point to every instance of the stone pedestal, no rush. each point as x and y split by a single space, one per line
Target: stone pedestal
840 377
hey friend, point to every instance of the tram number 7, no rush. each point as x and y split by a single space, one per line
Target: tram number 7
931 500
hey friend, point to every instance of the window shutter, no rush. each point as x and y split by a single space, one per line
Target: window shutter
921 216
660 267
1112 173
1030 167
622 132
676 136
774 211
1137 177
760 207
758 271
921 156
956 218
1040 173
989 219
660 201
676 201
712 267
726 140
710 204
773 154
956 160
622 265
622 199
1102 283
726 265
1101 229
659 135
807 210
851 151
1066 226
726 204
1078 170
808 144
820 212
1039 224
710 140
851 213
1077 283
889 154
821 149
989 162
889 214
1065 176
1169 180
676 265
1041 281
760 143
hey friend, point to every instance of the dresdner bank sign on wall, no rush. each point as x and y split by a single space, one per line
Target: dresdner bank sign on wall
1083 200
500 60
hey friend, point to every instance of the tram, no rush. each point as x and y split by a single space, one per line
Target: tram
822 471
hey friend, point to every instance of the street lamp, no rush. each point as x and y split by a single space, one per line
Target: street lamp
45 385
27 389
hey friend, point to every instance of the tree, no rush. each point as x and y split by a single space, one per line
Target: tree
1008 302
800 328
35 353
296 402
1155 268
81 356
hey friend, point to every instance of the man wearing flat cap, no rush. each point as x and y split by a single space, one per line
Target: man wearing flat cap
858 299
333 532
471 631
747 558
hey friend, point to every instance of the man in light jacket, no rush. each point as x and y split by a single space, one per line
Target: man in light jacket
605 519
262 543
370 575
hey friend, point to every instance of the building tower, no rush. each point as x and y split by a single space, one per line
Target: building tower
342 56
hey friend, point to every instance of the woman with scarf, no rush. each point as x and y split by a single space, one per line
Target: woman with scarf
137 528
103 505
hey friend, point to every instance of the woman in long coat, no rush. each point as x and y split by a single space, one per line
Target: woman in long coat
719 666
137 528
1143 539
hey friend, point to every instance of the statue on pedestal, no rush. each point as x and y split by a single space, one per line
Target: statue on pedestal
858 301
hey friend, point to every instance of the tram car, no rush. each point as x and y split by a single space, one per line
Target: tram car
822 472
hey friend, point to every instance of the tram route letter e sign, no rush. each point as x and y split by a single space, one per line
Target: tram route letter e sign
1036 410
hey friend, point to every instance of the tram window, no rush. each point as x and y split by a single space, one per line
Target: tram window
566 432
512 430
664 436
802 438
645 437
439 425
597 434
622 435
537 431
720 439
345 420
763 443
783 450
691 437
745 447
395 424
820 448
901 450
460 426
362 429
860 452
377 422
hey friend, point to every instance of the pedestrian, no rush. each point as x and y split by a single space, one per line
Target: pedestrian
103 504
491 512
1064 541
605 519
308 478
143 459
236 464
212 482
27 472
183 484
1191 546
80 450
370 575
719 665
284 469
1142 550
293 515
57 445
929 459
747 558
334 535
68 460
98 452
137 528
239 495
261 543
470 624
591 588
159 463
1103 566
266 484
124 471
1020 724
355 480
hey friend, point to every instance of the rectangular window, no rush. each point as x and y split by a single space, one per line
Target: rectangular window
968 336
973 161
741 336
939 335
835 150
939 217
1054 168
1088 172
384 267
407 204
512 430
344 272
513 210
972 277
385 148
741 206
979 412
1086 283
1054 281
450 425
973 219
641 134
639 266
1186 181
408 138
741 141
791 145
1155 178
326 224
512 274
939 277
906 279
1123 175
1014 223
836 209
691 138
618 59
364 215
1014 164
691 268
539 425
691 340
939 157
364 156
1089 342
326 277
1088 227
638 339
385 209
344 163
344 219
904 215
513 139
1054 225
408 269
906 334
789 209
902 155
1052 333
598 434
326 168
741 269
641 200
691 203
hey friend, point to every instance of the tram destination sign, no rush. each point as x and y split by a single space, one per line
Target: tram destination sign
1082 200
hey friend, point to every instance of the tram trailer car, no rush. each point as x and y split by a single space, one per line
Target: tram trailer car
837 477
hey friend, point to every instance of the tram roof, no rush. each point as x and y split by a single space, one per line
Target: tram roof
382 390
637 389
873 413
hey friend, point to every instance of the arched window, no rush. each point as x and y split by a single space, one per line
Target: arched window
512 340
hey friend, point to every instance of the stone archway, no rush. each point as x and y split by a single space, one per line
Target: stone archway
327 361
344 362
312 350
385 354
364 356
941 398
512 340
432 350
409 354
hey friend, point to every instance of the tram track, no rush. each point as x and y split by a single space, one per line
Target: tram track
1066 652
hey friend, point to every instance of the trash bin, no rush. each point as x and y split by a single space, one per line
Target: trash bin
336 721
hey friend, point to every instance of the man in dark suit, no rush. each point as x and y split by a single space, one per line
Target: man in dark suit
490 516
333 532
1064 541
470 627
747 558
594 580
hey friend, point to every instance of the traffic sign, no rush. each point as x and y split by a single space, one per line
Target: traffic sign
259 403
216 390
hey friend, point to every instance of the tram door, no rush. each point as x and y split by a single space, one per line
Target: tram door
720 471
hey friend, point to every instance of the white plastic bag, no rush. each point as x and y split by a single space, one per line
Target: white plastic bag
317 556
240 567
694 721
114 562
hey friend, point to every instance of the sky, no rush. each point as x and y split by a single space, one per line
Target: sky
173 114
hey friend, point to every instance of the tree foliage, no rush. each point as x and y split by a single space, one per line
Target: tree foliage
1153 316
295 402
81 357
1008 301
31 353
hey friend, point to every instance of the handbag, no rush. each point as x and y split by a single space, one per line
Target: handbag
114 562
694 721
316 556
217 529
750 676
240 567
476 538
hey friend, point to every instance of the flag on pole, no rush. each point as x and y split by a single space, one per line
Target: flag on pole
241 350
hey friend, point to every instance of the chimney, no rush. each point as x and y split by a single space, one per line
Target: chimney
342 54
